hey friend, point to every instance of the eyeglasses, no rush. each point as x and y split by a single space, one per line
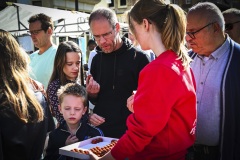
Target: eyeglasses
192 34
34 32
229 26
105 36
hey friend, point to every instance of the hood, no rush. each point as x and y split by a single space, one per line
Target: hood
127 45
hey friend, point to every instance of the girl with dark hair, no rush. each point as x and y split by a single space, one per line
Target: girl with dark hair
66 69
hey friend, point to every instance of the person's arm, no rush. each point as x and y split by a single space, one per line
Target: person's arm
96 120
42 98
94 131
53 100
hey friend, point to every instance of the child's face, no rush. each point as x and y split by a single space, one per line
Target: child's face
72 65
72 108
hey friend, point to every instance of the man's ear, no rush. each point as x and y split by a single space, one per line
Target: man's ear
50 31
216 27
60 109
117 27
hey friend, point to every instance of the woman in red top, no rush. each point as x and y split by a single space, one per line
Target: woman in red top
162 126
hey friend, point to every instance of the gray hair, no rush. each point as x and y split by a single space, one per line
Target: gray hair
104 13
210 11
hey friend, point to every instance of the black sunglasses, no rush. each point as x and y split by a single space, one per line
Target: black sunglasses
229 26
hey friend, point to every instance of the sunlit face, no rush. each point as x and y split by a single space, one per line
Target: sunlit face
105 34
72 65
139 35
39 37
203 41
72 108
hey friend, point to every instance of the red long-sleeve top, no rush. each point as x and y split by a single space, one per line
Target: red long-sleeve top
162 126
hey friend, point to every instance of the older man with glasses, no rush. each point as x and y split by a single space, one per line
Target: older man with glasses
115 70
216 67
232 23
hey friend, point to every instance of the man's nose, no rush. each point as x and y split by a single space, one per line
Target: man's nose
33 36
102 39
187 37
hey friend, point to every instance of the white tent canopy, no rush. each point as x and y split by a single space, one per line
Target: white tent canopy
14 18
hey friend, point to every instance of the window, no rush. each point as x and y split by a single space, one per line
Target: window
111 4
37 3
175 1
122 3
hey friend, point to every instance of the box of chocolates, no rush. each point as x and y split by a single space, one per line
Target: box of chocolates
98 145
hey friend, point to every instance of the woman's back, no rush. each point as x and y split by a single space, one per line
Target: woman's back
23 124
19 140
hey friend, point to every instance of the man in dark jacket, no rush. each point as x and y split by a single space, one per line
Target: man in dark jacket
216 69
114 71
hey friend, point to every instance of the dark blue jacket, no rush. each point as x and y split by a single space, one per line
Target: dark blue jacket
230 105
58 137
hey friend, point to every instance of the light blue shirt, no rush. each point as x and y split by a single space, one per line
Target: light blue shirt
208 72
41 65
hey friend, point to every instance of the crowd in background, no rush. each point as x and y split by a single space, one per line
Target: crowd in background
168 90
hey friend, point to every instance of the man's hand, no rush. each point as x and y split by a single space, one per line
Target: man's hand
92 86
96 120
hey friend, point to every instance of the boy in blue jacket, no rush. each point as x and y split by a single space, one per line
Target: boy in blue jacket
73 105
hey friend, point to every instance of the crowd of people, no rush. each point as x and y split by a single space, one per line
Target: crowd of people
168 91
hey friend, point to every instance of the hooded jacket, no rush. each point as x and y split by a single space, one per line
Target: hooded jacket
58 137
117 74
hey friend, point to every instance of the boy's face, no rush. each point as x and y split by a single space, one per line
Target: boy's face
72 108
